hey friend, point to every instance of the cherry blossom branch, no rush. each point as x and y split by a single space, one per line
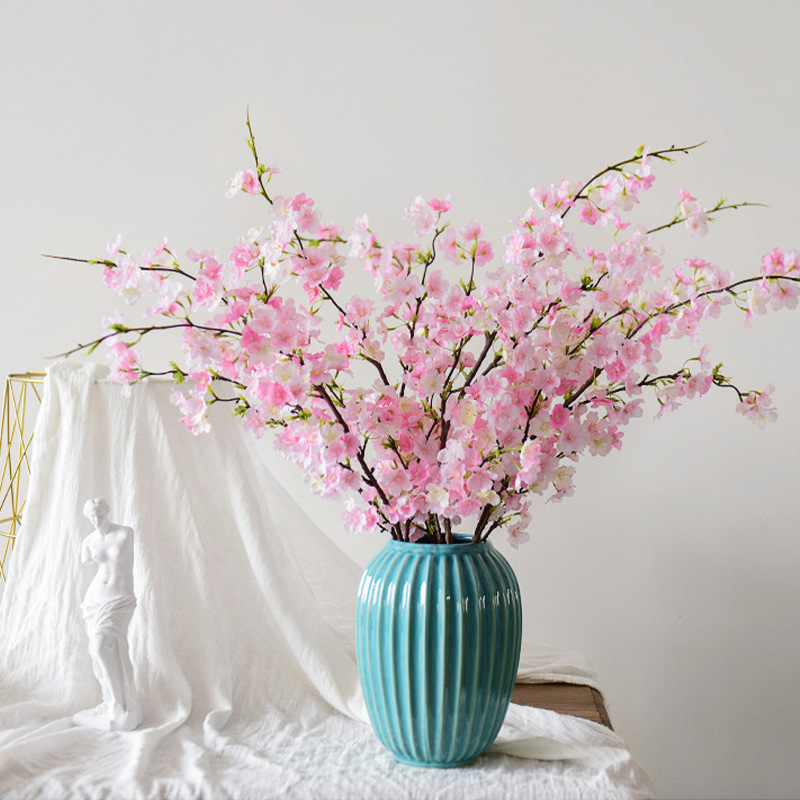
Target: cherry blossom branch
482 521
666 311
260 169
379 367
489 341
142 331
371 479
573 396
412 328
730 289
720 206
663 155
175 270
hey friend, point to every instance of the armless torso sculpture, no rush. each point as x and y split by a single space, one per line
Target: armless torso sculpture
107 610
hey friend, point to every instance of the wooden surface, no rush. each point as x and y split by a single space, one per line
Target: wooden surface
565 698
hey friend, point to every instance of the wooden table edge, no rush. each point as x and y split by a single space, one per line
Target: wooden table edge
574 699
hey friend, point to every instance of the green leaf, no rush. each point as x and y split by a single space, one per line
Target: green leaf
718 376
178 374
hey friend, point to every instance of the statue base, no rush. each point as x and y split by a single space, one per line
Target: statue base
101 719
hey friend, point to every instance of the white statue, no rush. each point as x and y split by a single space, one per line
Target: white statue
107 609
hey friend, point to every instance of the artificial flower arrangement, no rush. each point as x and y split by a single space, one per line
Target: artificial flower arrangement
456 391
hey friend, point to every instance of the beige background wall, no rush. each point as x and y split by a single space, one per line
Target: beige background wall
674 567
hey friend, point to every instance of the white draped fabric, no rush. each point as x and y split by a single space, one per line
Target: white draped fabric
241 641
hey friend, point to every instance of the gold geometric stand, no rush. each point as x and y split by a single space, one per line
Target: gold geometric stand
21 400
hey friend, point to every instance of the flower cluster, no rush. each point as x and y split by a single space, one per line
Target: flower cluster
487 377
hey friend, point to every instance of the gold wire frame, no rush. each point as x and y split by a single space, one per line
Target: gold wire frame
21 400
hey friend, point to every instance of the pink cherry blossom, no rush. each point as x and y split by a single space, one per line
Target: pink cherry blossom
455 393
194 410
360 520
125 278
590 213
167 303
112 249
695 214
110 321
756 407
440 206
518 533
123 361
482 252
244 180
449 246
422 216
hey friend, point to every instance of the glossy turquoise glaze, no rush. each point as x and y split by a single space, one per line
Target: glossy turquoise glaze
438 631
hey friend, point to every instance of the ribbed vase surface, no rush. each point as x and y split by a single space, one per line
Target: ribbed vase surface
438 631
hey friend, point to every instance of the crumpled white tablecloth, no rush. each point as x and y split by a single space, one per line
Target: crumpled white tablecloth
242 640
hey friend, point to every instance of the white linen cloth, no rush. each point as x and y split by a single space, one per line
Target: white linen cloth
242 638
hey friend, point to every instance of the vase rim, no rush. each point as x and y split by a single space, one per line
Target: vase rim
463 542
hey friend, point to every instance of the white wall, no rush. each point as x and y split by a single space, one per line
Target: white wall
673 569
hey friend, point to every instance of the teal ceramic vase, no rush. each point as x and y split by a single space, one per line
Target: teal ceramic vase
438 632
